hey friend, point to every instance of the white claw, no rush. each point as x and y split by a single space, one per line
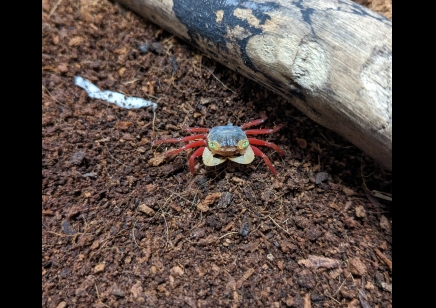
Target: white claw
210 160
247 158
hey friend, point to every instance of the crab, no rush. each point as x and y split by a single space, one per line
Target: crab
220 143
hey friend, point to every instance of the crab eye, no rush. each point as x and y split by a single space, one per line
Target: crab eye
245 144
211 145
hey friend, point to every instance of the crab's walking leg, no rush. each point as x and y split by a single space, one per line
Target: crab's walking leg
255 122
184 139
197 153
267 144
263 131
258 152
188 146
195 129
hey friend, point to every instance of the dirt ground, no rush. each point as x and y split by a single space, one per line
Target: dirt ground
124 227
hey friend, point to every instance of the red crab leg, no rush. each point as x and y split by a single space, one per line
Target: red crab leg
197 153
255 122
195 129
263 131
175 140
188 146
267 144
258 152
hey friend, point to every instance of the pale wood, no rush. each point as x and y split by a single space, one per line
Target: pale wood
331 59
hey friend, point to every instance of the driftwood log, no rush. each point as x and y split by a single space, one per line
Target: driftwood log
331 59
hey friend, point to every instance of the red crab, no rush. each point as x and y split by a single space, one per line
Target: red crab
227 142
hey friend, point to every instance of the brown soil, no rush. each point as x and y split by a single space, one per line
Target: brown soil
122 227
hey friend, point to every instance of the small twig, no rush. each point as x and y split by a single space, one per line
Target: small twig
220 81
277 224
334 144
227 234
98 296
176 179
381 195
107 241
166 229
54 98
341 285
131 81
54 8
152 125
334 199
163 215
384 258
113 156
224 263
380 212
166 40
133 234
50 93
178 195
375 193
65 235
333 299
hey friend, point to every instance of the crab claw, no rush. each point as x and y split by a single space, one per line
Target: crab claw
210 160
247 158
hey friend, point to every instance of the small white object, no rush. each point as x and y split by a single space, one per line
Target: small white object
112 97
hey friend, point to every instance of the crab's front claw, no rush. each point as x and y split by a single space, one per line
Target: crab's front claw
210 160
247 158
